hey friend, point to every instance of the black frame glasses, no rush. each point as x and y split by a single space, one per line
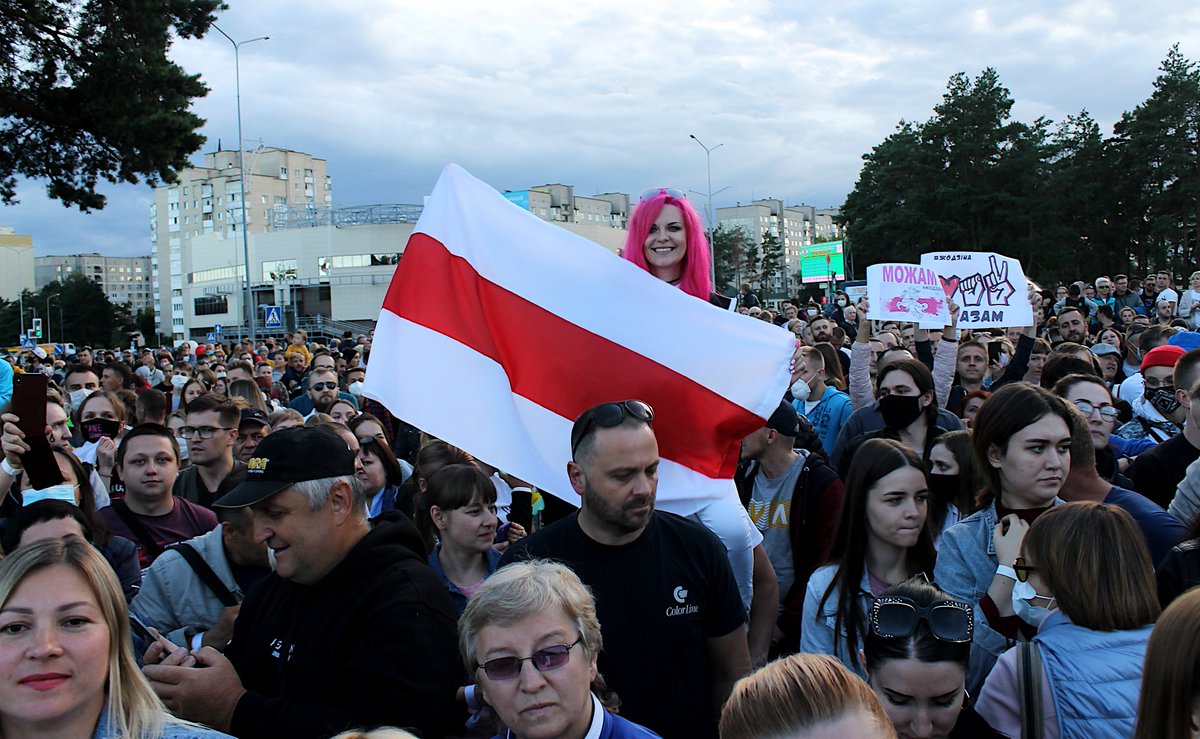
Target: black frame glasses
670 191
607 415
896 617
1107 412
204 432
1022 570
544 660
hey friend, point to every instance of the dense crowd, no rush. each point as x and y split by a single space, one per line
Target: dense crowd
940 533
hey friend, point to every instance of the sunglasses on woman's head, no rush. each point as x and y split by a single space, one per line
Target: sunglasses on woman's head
670 192
896 617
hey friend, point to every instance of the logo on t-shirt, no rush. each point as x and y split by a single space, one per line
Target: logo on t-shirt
684 608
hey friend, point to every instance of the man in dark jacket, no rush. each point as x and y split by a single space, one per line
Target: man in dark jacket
352 629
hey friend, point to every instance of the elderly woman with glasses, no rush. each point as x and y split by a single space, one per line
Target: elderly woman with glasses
530 638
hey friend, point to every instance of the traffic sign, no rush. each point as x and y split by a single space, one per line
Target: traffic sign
59 350
217 329
211 337
27 342
274 316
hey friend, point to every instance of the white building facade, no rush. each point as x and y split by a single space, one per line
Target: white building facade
123 279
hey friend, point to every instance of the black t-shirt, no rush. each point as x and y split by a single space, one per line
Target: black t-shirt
658 599
1157 472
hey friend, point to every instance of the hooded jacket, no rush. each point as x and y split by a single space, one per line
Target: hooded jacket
372 643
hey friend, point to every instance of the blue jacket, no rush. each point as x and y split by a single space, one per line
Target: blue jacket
1095 676
829 416
612 726
966 565
456 595
817 627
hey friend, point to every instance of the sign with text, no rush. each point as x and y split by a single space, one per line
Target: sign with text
819 261
990 288
906 292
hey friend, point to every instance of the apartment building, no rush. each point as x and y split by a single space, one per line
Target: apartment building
123 279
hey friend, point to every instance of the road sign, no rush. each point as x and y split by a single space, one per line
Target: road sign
59 350
211 337
274 316
27 342
217 329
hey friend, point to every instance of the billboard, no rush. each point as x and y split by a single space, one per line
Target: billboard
818 261
517 197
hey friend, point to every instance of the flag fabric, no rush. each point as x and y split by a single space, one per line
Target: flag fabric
500 328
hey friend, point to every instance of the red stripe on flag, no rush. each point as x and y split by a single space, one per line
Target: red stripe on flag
560 366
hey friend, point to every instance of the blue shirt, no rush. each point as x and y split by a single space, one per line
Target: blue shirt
1161 530
456 595
6 382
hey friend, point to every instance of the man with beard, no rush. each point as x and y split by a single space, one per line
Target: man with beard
821 329
669 608
1073 325
322 392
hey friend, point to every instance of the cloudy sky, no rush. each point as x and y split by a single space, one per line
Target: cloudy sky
604 96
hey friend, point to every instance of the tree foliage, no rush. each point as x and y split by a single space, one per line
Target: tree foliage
87 92
1056 196
87 315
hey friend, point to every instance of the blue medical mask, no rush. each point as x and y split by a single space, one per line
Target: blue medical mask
1023 595
64 492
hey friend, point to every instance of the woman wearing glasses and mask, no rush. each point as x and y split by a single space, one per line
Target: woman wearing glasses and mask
1085 581
883 538
917 648
530 638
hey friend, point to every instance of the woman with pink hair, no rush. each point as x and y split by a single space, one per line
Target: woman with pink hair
666 238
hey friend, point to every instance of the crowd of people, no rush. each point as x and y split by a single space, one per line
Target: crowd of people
937 533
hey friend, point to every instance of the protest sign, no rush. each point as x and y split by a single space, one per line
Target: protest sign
990 288
906 292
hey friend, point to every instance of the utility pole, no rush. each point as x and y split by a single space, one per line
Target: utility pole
712 226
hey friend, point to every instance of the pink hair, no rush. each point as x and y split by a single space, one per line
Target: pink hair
696 280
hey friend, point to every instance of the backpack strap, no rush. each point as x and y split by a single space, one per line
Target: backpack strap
1029 684
137 528
205 572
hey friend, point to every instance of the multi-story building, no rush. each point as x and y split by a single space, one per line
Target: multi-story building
16 263
560 204
123 279
206 203
796 226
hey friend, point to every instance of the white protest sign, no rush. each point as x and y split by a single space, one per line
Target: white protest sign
990 288
906 292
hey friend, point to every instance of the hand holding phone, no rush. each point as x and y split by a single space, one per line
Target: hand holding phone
29 405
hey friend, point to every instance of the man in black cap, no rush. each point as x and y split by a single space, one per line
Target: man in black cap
351 630
252 429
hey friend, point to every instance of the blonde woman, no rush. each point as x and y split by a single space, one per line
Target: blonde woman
66 665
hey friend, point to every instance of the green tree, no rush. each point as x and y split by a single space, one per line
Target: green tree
144 322
88 316
87 92
771 265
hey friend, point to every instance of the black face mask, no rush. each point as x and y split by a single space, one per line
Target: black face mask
898 411
944 488
1163 399
95 429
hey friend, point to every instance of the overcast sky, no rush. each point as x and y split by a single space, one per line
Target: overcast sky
603 96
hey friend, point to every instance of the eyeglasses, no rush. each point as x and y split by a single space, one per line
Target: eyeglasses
1022 570
544 660
204 432
670 192
323 386
1107 412
609 415
895 617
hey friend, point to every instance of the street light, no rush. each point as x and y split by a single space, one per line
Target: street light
48 299
237 74
712 247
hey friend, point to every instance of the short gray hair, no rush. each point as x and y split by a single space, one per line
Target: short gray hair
317 491
521 590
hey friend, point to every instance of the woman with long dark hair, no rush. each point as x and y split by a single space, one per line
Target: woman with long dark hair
954 481
883 538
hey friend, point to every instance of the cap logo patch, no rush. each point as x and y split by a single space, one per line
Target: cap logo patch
257 464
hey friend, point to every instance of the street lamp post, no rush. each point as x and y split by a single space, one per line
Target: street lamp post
48 299
248 301
712 247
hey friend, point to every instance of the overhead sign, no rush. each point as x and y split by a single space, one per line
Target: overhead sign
990 288
906 292
274 316
819 261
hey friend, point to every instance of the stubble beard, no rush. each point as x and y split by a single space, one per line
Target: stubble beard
618 519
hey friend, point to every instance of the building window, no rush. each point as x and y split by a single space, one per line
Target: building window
210 304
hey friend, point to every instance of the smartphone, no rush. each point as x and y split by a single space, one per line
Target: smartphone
29 404
502 533
143 632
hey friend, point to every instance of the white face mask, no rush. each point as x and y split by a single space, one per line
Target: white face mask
811 311
1022 603
78 396
178 381
183 449
356 387
64 492
841 303
800 390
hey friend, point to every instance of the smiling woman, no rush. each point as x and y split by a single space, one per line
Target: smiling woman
66 664
666 238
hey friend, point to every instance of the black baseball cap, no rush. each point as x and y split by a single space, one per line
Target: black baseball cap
785 419
253 415
287 457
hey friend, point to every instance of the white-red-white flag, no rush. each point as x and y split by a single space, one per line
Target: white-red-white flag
499 329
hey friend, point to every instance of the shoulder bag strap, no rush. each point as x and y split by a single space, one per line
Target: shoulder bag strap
205 572
1029 684
137 528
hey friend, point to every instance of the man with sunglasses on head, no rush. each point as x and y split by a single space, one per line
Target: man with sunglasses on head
211 432
351 630
671 615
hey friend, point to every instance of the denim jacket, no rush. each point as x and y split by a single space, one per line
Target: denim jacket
817 631
966 566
